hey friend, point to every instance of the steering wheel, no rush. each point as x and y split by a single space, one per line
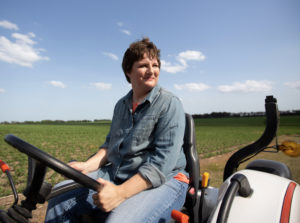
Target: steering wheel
52 162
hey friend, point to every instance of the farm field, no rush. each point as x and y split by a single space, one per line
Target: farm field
77 142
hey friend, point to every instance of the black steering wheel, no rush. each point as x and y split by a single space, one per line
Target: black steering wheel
52 162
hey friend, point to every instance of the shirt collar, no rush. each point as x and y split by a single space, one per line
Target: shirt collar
152 94
150 97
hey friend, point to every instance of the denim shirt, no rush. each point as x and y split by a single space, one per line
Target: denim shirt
148 141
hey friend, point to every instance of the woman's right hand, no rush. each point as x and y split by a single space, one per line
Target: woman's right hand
92 164
80 166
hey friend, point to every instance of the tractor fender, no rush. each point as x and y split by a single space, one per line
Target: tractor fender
273 199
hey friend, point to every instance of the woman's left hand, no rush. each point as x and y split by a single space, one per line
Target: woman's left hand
109 196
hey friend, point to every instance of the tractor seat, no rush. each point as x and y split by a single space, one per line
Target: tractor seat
271 166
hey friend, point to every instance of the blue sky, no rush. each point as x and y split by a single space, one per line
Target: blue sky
61 60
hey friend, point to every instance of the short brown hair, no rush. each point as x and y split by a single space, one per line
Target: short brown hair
136 52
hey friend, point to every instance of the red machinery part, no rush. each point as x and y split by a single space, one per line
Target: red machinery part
286 208
4 166
179 216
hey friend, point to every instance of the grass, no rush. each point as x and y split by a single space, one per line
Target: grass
68 142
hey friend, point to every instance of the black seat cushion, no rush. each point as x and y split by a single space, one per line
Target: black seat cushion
271 166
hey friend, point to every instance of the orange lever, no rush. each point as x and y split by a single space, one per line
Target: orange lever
4 166
179 216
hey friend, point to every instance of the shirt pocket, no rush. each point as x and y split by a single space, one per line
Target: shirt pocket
144 129
119 129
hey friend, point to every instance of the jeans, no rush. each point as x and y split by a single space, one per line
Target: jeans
153 205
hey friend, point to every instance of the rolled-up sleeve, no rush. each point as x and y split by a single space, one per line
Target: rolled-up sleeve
168 141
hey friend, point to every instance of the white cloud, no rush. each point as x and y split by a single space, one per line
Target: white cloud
8 25
21 52
192 86
101 85
172 68
24 39
122 30
125 31
58 84
2 90
293 84
247 86
192 55
111 55
120 24
182 58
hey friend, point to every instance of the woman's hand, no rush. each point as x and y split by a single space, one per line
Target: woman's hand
80 166
92 164
109 196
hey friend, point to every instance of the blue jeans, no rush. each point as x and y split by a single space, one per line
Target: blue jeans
153 205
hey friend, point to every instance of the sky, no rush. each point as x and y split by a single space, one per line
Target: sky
61 59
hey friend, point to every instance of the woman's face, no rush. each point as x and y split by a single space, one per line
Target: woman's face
144 73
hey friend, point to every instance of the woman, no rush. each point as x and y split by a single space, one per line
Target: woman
141 164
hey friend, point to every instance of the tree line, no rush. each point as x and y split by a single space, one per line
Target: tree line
57 122
241 114
195 116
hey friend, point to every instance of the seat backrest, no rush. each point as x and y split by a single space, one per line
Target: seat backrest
190 150
271 166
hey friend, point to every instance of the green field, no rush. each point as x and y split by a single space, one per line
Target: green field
220 135
79 141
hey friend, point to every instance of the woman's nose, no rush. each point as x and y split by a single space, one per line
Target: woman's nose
150 69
